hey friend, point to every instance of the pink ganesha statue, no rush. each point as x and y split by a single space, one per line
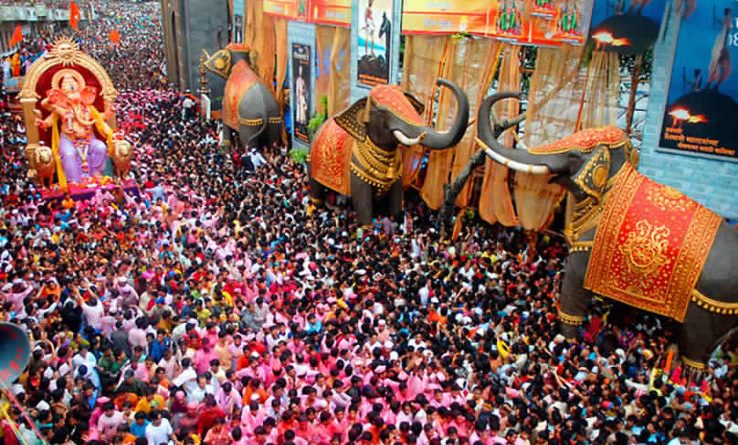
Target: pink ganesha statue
70 104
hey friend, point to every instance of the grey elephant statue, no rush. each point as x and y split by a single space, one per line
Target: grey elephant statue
631 239
249 107
357 153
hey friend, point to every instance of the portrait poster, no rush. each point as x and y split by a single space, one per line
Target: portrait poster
374 42
701 110
301 74
542 22
627 26
238 15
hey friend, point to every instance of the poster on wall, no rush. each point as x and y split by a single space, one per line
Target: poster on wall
374 42
542 22
301 64
627 26
700 116
238 14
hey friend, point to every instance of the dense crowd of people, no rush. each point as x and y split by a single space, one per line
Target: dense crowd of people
216 305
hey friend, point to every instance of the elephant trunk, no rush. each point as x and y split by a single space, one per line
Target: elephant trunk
519 160
452 136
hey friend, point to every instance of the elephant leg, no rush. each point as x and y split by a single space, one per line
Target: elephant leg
701 331
451 191
362 194
574 297
249 134
317 192
274 136
227 143
394 200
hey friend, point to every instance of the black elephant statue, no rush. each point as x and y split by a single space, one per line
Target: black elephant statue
249 107
631 239
357 153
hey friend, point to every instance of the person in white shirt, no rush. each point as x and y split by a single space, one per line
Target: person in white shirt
187 378
187 106
159 431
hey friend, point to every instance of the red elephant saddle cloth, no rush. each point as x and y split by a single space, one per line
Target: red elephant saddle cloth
242 78
651 245
584 140
330 156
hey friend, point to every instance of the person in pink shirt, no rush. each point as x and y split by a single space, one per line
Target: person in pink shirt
203 356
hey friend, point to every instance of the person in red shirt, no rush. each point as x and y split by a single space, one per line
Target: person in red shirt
209 416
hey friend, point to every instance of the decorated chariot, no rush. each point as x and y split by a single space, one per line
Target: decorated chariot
68 108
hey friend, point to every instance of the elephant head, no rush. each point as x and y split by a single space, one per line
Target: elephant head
223 60
389 117
583 162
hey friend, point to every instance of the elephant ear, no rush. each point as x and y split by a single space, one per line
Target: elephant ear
418 105
592 178
352 119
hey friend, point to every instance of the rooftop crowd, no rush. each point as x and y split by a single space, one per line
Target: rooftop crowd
218 306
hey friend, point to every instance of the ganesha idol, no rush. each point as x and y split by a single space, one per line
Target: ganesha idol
81 138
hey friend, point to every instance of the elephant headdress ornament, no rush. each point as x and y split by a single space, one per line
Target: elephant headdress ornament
357 152
632 240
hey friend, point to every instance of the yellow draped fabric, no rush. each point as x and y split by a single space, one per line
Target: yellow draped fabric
420 71
280 30
55 150
601 99
259 34
334 79
483 56
471 64
562 99
495 200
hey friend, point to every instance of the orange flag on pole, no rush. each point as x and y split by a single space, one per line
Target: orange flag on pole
74 15
17 36
115 37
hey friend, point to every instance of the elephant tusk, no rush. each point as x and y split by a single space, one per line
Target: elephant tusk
404 140
517 166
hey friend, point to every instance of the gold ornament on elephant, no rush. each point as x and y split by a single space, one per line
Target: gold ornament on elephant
670 199
645 251
377 167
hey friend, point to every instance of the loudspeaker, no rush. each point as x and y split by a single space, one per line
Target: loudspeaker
15 351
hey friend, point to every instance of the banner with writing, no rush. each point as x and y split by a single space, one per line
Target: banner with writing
700 117
289 9
331 12
448 16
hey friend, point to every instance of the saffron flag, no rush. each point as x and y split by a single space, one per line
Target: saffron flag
115 37
17 36
74 15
